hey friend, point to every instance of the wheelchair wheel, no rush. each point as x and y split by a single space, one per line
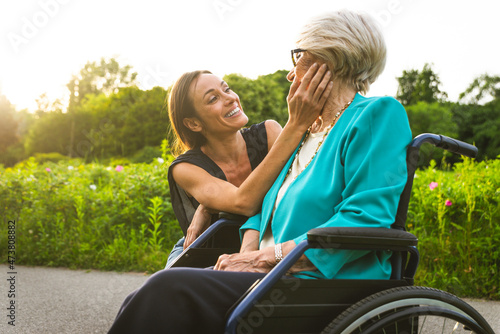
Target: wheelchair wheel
409 310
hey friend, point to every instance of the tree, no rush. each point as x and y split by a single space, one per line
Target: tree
481 87
48 134
44 105
104 77
479 125
119 124
263 98
8 124
432 118
415 86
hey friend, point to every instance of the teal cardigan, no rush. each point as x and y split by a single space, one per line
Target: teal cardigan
355 180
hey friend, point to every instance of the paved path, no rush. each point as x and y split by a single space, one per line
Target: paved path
60 301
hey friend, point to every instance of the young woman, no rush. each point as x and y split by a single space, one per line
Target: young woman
222 167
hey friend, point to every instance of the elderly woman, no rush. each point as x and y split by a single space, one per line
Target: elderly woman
349 170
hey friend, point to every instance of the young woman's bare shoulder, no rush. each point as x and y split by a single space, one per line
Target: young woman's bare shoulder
273 130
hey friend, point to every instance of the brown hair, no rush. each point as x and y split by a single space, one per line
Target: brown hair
180 106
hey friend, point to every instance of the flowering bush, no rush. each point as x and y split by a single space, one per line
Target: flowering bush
119 217
456 217
88 216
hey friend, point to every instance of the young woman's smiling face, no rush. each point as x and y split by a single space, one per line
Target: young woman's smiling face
217 107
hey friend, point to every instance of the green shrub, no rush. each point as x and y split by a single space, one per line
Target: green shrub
89 216
49 157
456 217
119 162
119 217
146 155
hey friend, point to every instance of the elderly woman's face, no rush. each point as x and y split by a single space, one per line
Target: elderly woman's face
305 61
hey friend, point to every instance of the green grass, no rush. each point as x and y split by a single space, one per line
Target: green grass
95 216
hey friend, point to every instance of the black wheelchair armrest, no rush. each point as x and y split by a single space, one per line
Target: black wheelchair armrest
364 238
361 238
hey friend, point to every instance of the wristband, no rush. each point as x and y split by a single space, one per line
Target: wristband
278 253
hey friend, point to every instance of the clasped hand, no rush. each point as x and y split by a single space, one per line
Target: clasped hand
259 261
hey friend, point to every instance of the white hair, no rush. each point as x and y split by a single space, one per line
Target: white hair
351 44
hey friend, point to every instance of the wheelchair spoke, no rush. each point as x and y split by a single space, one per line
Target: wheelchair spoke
436 324
421 326
410 310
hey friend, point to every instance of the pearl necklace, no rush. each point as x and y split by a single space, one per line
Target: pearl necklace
327 131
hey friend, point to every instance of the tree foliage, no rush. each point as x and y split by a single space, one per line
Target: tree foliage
8 124
103 126
263 98
419 86
433 117
14 125
483 86
479 124
108 116
106 77
427 110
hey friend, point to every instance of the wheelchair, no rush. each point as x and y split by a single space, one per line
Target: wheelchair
283 304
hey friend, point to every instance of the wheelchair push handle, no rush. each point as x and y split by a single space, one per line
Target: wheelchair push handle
450 144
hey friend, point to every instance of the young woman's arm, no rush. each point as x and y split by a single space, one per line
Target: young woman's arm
203 216
201 221
305 100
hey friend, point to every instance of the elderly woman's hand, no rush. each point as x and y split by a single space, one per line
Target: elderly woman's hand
261 261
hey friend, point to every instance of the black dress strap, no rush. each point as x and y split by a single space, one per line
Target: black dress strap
256 139
198 158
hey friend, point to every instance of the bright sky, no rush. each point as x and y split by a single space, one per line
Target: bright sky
44 42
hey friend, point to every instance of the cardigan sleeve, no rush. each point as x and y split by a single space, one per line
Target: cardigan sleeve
373 154
253 223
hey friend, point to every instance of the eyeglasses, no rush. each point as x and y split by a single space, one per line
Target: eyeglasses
296 54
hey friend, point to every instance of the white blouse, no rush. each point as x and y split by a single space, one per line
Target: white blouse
298 165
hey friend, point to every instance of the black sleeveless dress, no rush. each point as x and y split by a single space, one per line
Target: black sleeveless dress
184 206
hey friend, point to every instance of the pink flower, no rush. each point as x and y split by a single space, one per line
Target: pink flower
119 168
433 185
48 169
448 203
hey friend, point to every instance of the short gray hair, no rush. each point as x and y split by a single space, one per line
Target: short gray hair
351 44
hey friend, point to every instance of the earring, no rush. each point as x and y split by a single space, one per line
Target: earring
320 118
